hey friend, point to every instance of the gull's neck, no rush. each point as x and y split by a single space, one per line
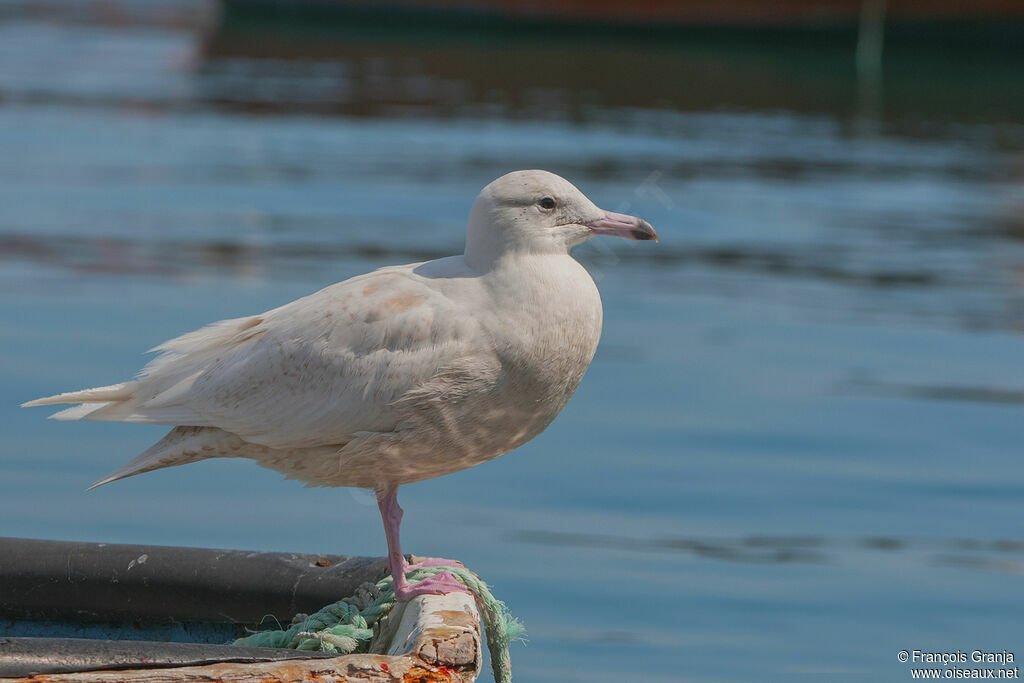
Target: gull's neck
488 253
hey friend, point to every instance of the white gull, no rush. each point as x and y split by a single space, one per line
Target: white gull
399 375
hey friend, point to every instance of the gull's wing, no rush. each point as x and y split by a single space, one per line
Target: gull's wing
310 373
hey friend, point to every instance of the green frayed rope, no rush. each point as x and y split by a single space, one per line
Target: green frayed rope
347 625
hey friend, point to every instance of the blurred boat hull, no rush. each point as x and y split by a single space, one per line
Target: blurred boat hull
804 14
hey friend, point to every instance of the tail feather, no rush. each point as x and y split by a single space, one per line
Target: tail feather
114 392
129 411
160 393
121 403
79 412
180 446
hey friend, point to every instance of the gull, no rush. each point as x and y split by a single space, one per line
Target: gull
399 375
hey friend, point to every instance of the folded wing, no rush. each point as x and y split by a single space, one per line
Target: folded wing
310 373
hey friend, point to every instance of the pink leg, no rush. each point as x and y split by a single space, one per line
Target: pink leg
432 562
443 582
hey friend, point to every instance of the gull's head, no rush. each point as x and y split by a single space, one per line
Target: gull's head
540 212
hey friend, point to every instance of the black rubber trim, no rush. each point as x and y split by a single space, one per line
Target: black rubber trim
103 582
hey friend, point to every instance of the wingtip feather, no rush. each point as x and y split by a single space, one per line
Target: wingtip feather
107 394
101 482
56 399
79 412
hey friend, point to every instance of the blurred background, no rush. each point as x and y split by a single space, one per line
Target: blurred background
798 449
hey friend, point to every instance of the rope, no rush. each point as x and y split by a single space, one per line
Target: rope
346 626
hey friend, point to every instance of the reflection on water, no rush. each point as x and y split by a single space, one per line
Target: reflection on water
799 446
924 206
126 257
989 555
755 549
367 67
934 393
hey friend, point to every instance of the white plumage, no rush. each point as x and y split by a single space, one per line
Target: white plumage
402 374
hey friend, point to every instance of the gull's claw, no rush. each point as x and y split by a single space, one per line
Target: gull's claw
440 583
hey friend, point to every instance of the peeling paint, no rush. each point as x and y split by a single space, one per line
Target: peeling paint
140 560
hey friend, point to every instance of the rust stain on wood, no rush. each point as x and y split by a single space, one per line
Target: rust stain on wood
420 674
363 668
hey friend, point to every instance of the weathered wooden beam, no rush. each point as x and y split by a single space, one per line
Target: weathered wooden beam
443 630
431 638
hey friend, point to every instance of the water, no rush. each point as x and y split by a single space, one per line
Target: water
797 451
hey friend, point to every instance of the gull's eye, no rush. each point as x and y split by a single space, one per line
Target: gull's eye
547 203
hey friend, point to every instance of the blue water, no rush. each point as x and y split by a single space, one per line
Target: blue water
796 453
